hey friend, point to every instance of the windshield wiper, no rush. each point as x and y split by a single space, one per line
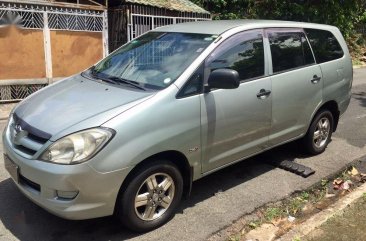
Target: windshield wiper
124 81
114 79
94 76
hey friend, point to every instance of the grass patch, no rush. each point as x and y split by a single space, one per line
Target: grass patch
295 206
272 213
235 238
255 224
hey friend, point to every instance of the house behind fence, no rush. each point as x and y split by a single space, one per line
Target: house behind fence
42 41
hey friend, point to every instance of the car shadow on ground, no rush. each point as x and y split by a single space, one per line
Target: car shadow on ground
361 97
26 221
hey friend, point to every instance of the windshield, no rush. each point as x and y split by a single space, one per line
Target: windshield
154 60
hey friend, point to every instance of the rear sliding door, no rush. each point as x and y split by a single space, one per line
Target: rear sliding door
296 83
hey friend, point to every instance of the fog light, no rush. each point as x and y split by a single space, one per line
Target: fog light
67 194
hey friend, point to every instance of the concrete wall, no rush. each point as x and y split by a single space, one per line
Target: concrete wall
21 53
73 52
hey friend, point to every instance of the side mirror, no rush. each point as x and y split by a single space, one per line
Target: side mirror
223 79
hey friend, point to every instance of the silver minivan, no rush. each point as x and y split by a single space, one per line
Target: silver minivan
129 135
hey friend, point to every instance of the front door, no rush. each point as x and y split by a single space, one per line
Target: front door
235 123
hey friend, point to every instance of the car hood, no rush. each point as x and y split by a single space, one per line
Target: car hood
73 101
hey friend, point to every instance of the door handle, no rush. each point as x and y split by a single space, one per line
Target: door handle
315 79
262 94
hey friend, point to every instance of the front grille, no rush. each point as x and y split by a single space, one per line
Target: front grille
37 138
25 150
26 139
26 182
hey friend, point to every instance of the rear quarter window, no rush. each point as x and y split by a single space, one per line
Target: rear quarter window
324 44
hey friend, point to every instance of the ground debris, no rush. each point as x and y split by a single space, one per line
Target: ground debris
363 177
291 218
353 172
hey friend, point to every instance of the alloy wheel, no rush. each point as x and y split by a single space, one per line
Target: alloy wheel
154 196
321 133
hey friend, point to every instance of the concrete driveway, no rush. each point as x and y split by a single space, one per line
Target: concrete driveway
216 200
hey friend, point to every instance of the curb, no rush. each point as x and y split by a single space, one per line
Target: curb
318 219
295 231
359 66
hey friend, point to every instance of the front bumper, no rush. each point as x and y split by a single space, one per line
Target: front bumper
40 181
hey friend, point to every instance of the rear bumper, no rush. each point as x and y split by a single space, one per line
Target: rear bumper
41 181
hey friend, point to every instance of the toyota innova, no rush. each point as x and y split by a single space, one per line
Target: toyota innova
129 135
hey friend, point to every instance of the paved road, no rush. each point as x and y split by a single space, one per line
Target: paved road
216 200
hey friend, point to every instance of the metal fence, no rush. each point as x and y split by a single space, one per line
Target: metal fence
47 18
10 93
58 18
361 29
141 23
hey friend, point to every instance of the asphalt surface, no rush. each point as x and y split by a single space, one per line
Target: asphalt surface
216 201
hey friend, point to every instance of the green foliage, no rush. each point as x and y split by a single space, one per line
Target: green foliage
364 196
324 183
273 213
235 238
295 205
254 224
305 196
345 14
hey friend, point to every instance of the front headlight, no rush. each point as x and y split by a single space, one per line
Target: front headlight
77 147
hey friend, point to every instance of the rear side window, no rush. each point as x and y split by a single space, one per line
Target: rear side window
242 52
324 45
289 50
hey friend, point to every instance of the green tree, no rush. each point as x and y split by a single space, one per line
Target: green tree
345 14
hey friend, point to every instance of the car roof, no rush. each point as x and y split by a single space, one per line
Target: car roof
220 26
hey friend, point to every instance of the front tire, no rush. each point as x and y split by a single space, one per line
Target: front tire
151 198
319 133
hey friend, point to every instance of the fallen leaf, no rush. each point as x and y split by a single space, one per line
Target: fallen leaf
337 181
353 172
337 184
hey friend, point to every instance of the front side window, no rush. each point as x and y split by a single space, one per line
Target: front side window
194 85
242 52
154 60
324 44
289 49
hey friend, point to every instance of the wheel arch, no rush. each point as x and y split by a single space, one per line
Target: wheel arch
332 106
175 157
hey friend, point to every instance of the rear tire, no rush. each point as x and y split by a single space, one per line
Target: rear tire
319 133
151 198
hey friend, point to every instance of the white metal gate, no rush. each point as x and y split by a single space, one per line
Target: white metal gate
47 18
140 23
